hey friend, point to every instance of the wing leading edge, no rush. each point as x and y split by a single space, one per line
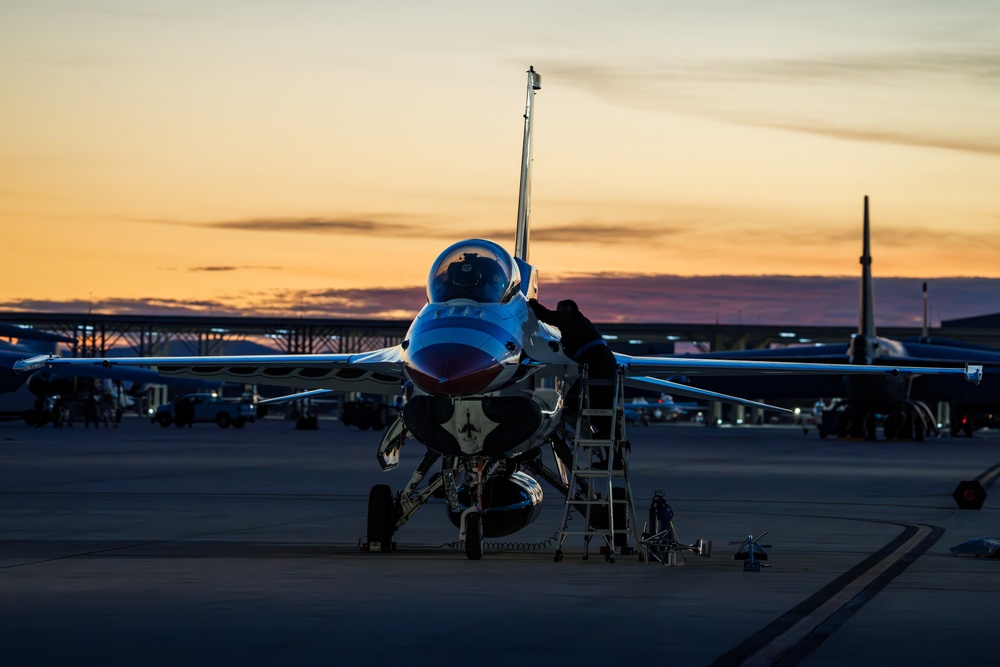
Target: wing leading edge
693 366
380 371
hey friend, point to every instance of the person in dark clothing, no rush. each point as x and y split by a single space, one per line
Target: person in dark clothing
184 411
582 342
90 399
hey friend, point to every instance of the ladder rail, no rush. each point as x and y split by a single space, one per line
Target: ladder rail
588 481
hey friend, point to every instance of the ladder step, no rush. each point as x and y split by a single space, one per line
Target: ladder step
598 472
593 442
600 501
597 412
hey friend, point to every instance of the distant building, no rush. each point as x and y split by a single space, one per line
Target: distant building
977 322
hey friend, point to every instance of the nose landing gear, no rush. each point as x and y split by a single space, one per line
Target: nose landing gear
473 533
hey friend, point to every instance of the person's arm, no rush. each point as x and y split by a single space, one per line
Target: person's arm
541 312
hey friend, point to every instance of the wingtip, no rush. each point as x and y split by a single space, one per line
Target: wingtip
973 373
33 363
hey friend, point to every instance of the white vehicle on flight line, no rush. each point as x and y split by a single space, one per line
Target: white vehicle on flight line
204 407
485 383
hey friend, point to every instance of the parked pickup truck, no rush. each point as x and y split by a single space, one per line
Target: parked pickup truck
205 408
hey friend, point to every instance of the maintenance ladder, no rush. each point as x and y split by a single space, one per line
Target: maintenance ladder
599 490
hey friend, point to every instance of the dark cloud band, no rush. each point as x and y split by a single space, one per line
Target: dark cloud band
824 301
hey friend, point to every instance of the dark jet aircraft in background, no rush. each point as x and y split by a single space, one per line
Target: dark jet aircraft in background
485 383
48 386
899 402
29 341
643 410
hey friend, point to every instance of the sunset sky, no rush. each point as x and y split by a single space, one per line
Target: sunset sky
315 157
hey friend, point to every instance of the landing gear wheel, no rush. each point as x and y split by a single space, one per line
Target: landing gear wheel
893 424
920 428
558 557
474 536
908 428
381 523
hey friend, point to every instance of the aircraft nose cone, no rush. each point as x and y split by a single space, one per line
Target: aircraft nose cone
452 370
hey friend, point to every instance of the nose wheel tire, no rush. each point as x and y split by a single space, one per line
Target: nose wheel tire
474 536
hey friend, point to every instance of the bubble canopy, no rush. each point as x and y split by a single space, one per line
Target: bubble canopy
478 270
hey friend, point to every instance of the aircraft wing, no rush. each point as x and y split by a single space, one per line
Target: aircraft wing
379 371
827 354
693 392
288 398
636 366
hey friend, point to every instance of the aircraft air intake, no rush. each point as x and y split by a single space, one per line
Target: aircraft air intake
452 369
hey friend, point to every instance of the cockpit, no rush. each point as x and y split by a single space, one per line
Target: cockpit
478 270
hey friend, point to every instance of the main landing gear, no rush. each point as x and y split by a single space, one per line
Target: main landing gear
381 518
387 512
909 420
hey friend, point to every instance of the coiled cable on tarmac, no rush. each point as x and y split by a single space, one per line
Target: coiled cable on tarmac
507 546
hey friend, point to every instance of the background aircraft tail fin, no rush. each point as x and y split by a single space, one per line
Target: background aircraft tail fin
866 315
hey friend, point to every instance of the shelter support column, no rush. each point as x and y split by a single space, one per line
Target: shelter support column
944 413
716 414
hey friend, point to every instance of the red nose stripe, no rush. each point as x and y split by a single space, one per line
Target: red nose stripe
452 370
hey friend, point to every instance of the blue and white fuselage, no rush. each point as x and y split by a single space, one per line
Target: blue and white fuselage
470 355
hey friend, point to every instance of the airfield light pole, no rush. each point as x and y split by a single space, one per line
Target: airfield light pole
924 332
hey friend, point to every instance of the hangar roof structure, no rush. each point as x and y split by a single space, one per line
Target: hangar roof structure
95 333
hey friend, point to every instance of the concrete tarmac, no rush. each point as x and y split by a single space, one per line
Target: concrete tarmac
143 545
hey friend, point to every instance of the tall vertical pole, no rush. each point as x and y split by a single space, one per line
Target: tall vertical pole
925 311
866 318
